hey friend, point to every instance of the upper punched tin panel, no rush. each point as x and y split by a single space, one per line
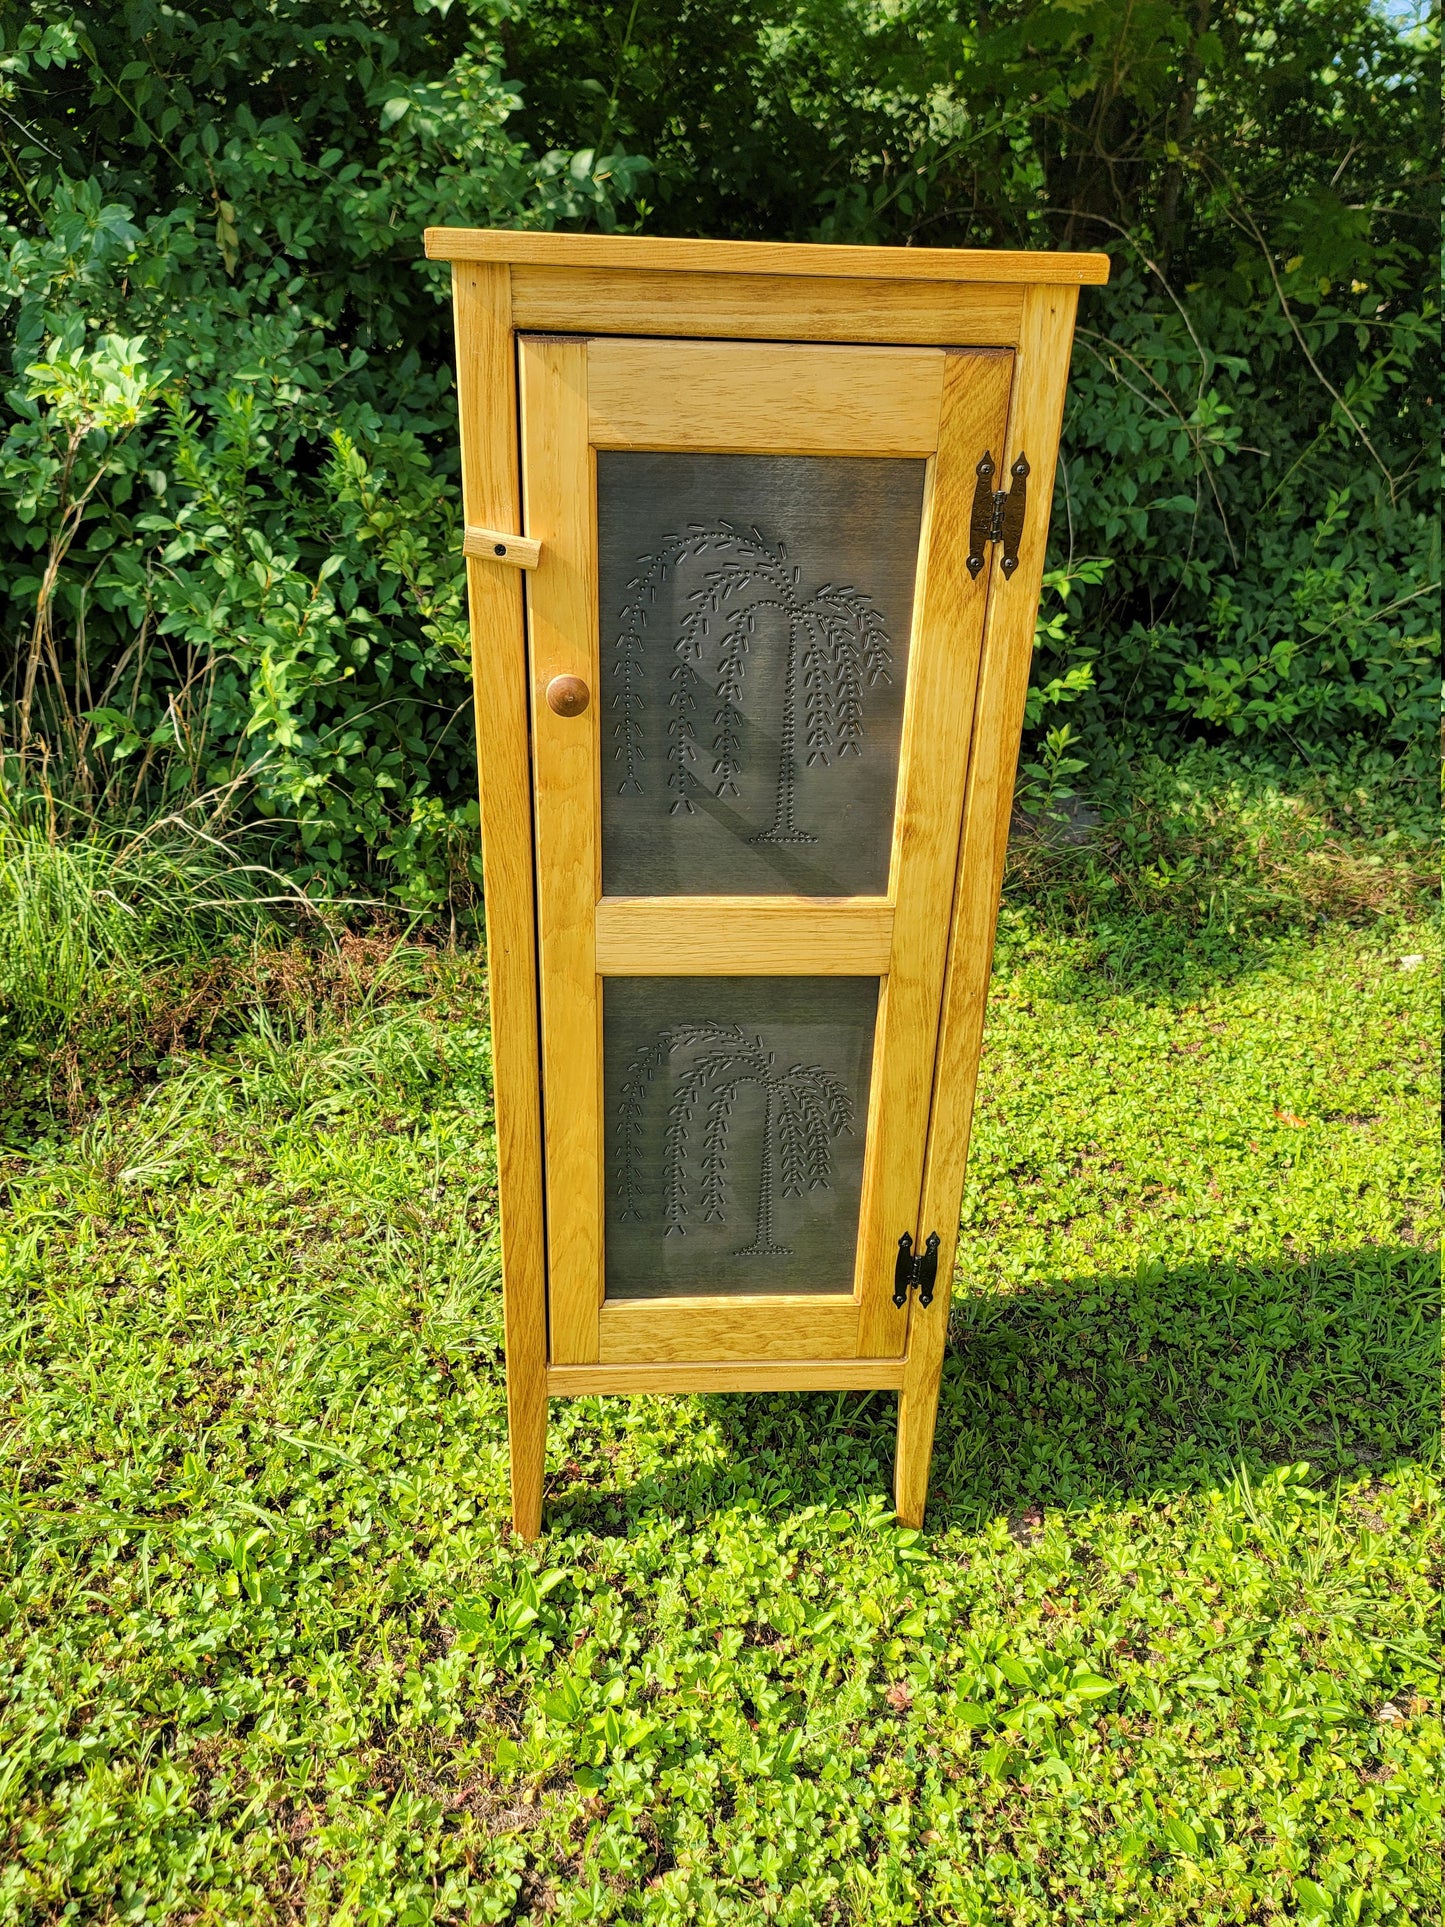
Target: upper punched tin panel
755 614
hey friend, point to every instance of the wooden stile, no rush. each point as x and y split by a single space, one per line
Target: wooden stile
491 495
612 975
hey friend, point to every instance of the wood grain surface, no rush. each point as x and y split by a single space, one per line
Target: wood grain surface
645 1331
1035 416
752 936
562 616
770 1375
787 307
634 251
491 493
759 398
496 545
938 716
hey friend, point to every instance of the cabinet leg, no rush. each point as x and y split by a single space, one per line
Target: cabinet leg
527 1439
918 1410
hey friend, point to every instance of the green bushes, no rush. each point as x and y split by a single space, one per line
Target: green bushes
228 499
1257 589
1245 515
228 494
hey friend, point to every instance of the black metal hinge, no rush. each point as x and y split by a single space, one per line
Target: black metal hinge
912 1269
998 514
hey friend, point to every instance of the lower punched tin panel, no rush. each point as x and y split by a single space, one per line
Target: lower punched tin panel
734 1111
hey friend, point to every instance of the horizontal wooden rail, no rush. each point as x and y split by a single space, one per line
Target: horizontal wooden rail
770 1375
749 397
740 1330
787 307
743 936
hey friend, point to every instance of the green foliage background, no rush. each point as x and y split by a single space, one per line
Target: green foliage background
228 504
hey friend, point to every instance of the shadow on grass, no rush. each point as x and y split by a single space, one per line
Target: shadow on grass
1098 1389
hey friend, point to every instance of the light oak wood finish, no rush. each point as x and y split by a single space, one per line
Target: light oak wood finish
562 622
942 673
787 307
755 398
807 405
491 492
756 936
773 1375
744 293
641 1331
1035 417
644 252
494 545
809 398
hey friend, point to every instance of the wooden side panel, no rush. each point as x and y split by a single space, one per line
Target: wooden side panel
643 252
1040 381
757 936
491 494
763 399
562 609
608 301
774 1375
654 1331
948 629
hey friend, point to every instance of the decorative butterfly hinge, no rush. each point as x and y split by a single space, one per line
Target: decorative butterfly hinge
998 514
918 1269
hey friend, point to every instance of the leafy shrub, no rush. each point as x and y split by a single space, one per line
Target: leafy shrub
1244 537
1256 589
228 488
228 494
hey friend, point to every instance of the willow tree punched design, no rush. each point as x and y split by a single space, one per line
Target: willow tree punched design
835 640
805 1108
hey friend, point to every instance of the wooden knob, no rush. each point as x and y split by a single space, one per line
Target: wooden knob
568 695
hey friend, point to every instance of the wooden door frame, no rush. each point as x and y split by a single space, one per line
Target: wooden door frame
581 395
507 282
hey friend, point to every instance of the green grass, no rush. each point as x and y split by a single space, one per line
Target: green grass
1165 1651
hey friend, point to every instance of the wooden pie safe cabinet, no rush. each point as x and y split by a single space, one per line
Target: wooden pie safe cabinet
754 540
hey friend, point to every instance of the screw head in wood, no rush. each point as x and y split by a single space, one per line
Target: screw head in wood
568 695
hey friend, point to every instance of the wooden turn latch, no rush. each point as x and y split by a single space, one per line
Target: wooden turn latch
496 546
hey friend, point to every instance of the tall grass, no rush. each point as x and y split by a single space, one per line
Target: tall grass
91 914
125 949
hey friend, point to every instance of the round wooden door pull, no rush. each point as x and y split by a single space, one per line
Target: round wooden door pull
568 695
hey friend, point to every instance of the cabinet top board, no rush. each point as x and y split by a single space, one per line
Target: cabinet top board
531 249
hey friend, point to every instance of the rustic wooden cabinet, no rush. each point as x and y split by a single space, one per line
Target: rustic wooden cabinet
755 535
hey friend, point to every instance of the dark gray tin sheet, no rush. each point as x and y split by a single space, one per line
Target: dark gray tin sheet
755 614
734 1112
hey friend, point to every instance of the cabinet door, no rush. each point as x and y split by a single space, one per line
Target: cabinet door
755 562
